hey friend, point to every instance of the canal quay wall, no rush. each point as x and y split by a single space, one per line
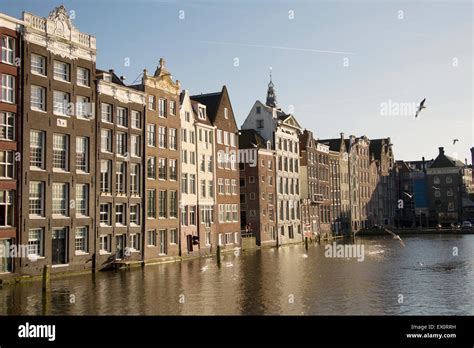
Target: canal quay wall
12 278
411 231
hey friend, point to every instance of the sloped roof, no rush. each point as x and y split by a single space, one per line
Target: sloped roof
250 138
211 100
444 161
334 144
115 78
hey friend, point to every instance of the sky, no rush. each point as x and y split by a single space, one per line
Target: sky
339 66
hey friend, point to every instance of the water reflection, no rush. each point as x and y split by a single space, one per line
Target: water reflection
426 273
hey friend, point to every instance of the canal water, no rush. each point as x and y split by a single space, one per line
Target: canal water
423 278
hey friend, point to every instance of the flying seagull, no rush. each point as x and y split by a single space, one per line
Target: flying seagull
409 195
420 107
455 140
395 236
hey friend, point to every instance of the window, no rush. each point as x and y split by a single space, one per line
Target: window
8 88
174 236
162 168
219 136
151 237
436 180
192 215
120 210
228 238
192 137
173 169
7 164
135 214
163 246
105 214
83 78
8 49
449 192
151 200
80 241
84 107
105 244
184 183
211 188
61 103
82 154
82 199
134 179
203 188
106 140
450 206
184 135
162 137
120 177
221 187
234 186
7 126
60 199
192 184
106 112
449 179
259 124
121 143
252 196
259 110
202 163
135 243
210 165
151 102
226 113
38 64
173 139
36 196
60 151
36 242
173 204
107 77
151 134
61 71
162 108
187 116
37 98
227 186
172 108
151 167
202 112
122 117
136 145
162 204
7 208
136 119
106 176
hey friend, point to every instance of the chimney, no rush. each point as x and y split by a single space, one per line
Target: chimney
441 150
111 71
342 135
472 156
122 78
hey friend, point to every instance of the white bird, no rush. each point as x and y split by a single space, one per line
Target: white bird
205 268
229 264
409 195
420 107
454 141
395 236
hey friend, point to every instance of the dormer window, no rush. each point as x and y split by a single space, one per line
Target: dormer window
202 112
107 77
